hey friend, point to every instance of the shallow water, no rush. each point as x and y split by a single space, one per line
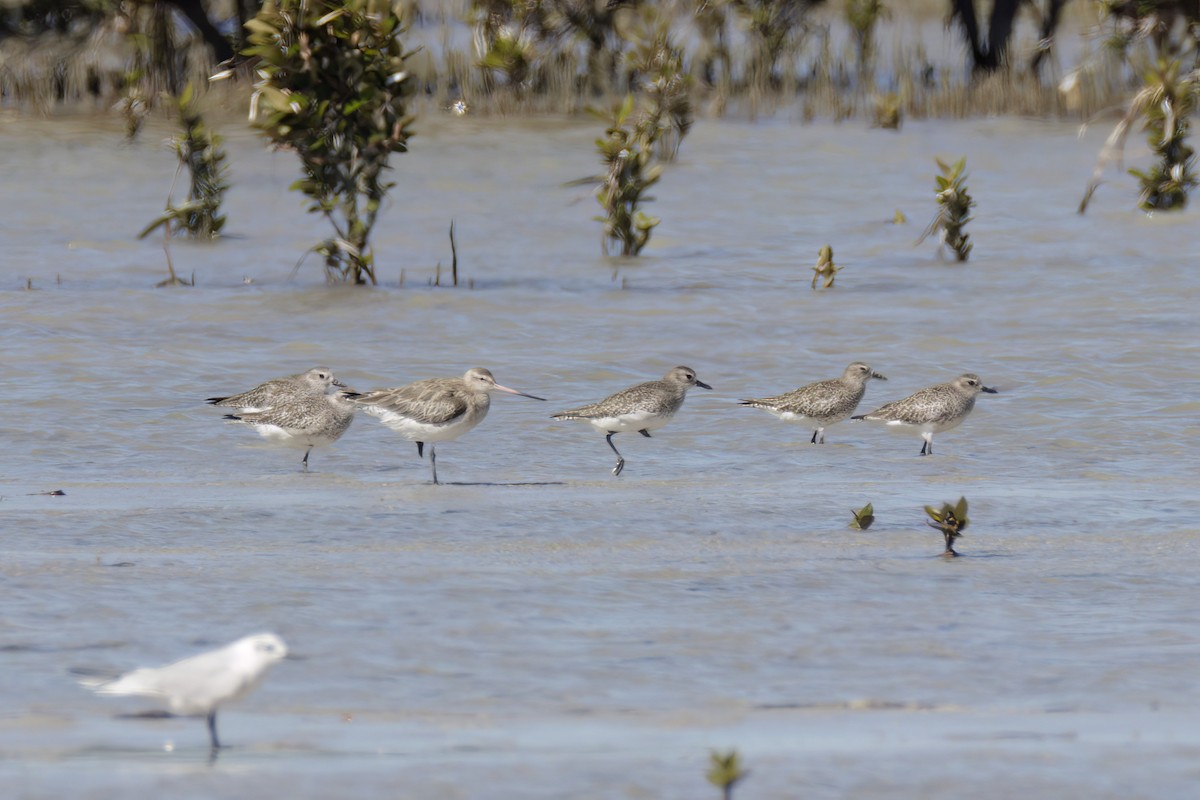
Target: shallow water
535 627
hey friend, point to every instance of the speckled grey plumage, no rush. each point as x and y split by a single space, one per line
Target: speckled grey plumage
297 411
936 408
315 382
642 408
435 409
822 403
315 420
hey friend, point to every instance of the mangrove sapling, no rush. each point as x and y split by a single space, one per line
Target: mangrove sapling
627 151
954 209
658 63
725 771
1166 104
951 520
332 88
200 151
825 268
863 517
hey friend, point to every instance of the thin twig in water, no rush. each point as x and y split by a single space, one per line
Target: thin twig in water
453 256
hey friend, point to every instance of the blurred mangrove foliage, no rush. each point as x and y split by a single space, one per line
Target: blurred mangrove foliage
827 58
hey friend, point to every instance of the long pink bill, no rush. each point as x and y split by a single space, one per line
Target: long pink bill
500 388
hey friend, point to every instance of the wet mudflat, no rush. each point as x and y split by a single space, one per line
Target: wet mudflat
536 627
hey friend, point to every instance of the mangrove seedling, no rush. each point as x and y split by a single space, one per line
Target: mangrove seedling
333 89
954 208
887 112
825 268
627 151
1166 104
200 152
725 771
863 517
951 520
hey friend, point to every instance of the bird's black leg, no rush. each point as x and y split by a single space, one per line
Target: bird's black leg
620 460
420 449
305 461
645 433
814 439
212 730
433 461
923 447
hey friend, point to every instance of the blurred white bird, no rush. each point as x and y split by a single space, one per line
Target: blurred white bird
199 685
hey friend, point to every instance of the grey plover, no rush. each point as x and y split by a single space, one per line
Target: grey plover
435 409
823 403
201 684
306 410
933 409
642 408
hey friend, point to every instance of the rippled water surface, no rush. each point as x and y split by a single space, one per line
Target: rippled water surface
536 628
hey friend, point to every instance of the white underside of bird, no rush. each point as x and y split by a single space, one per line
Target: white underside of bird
417 431
927 427
633 421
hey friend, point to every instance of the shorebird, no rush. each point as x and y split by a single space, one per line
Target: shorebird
201 684
642 408
933 409
305 410
435 409
822 403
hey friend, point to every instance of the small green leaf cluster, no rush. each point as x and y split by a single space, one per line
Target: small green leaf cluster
1170 102
825 268
332 88
725 770
951 520
954 207
200 151
863 517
